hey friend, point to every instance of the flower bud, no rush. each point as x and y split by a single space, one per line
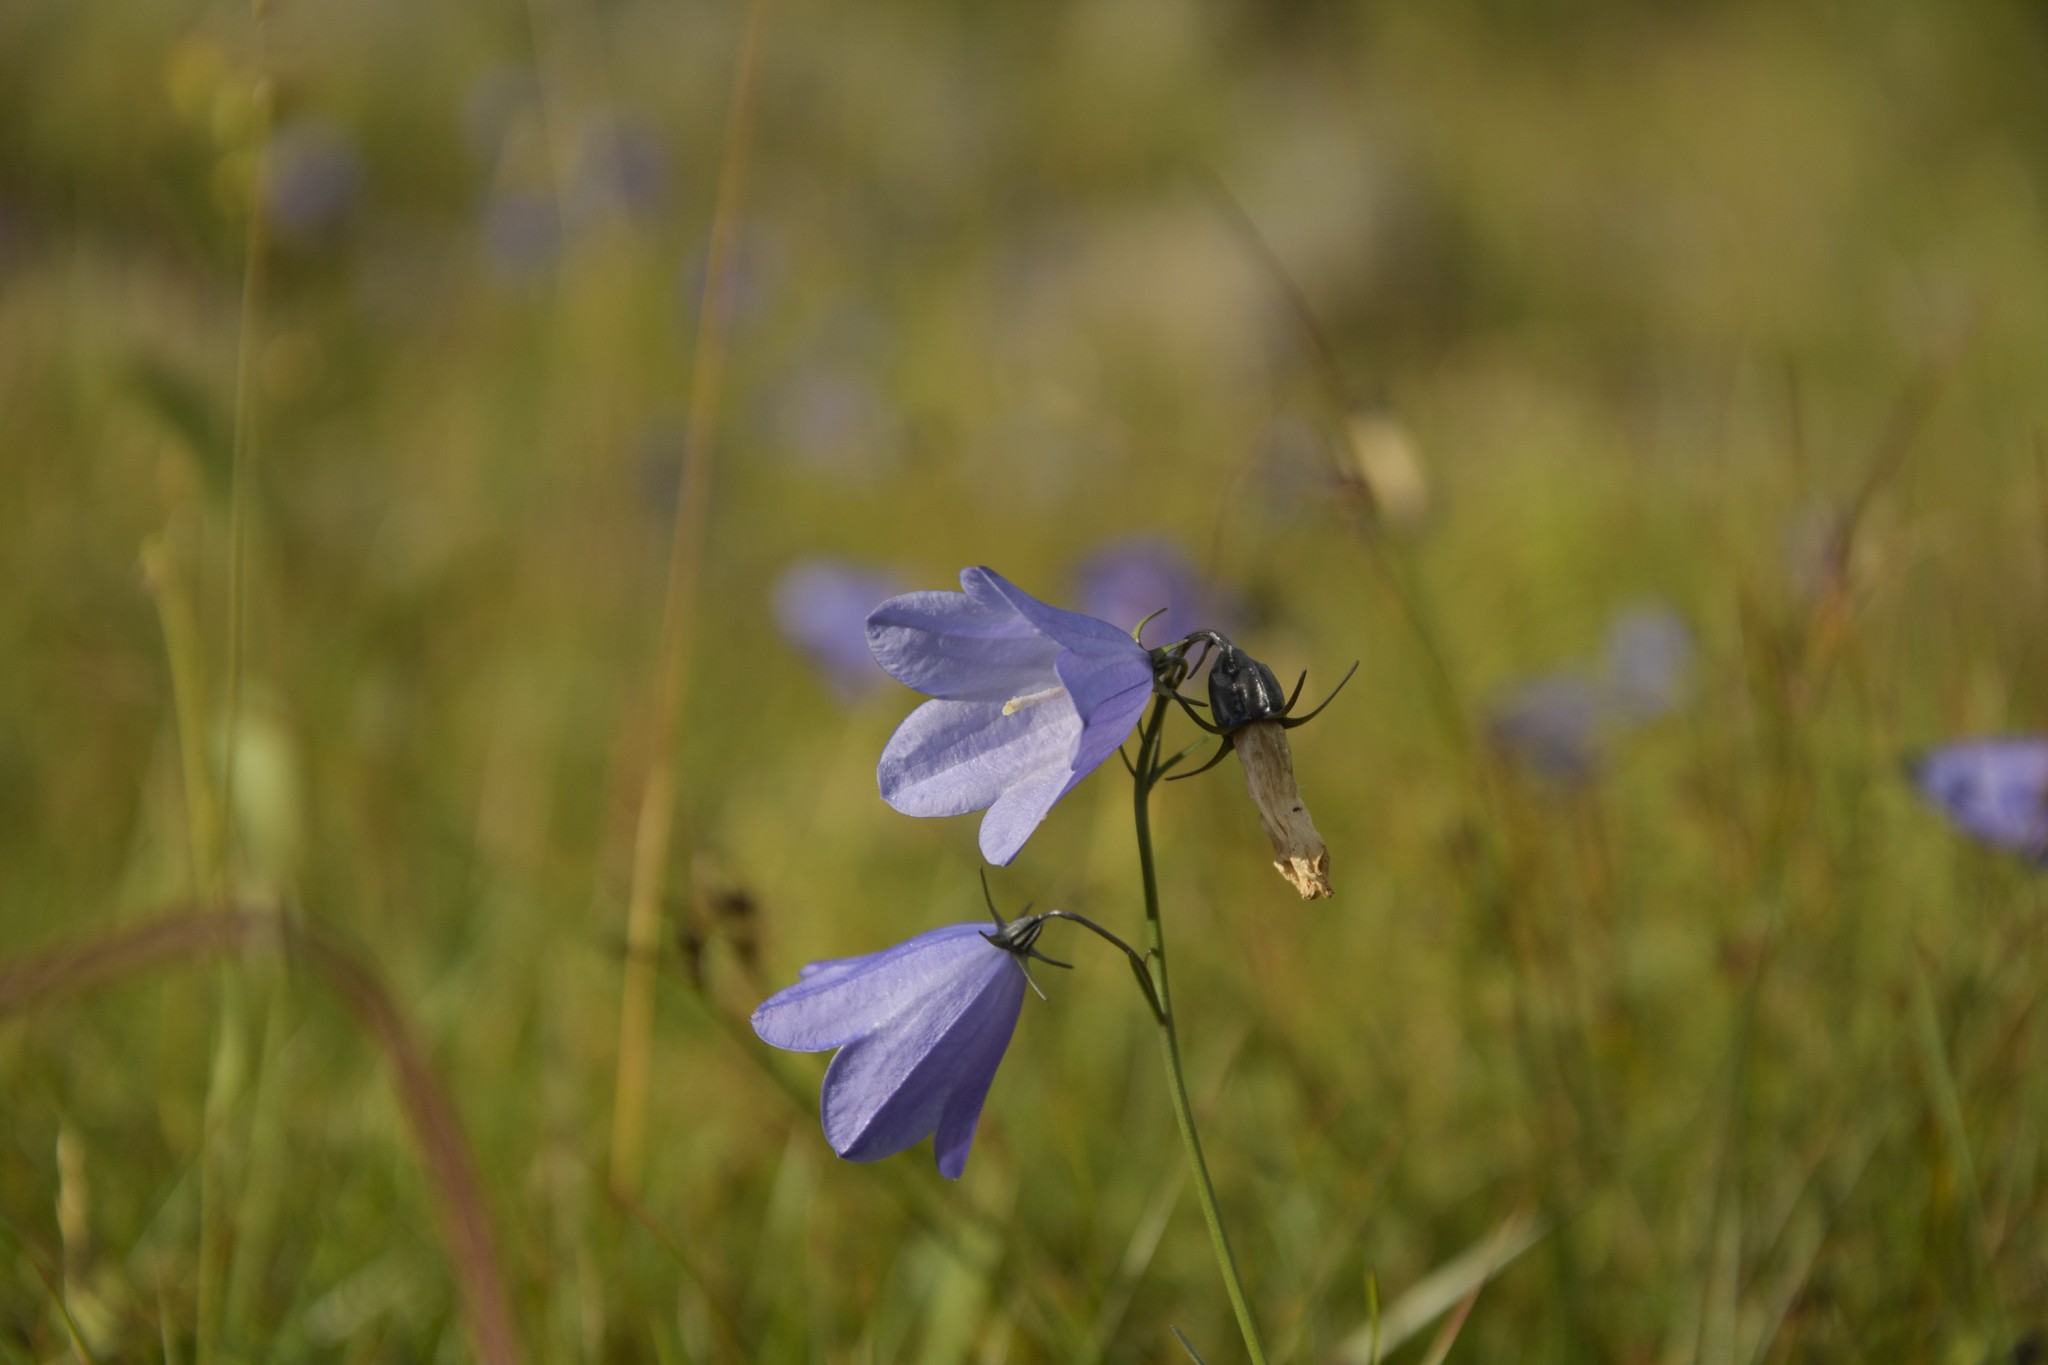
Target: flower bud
1298 851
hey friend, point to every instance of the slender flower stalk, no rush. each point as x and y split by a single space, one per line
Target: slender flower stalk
1025 701
1149 770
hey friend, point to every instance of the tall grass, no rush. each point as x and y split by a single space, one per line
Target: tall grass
1731 1052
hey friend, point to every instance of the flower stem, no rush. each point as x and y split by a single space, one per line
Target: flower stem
1149 771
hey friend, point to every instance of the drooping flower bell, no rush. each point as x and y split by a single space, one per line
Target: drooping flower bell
1027 701
920 1029
1994 790
1248 708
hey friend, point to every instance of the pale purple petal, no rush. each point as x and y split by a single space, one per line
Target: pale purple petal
951 757
1071 629
830 968
840 999
1022 808
1109 695
947 645
889 1090
1031 699
981 1042
1095 680
1995 790
920 1028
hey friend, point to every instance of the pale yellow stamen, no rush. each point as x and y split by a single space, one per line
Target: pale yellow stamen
1030 699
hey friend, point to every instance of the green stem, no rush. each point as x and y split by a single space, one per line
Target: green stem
1148 773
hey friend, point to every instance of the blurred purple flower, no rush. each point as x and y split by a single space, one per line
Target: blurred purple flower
620 164
1551 725
315 175
1029 700
920 1028
1649 654
1557 724
754 271
822 606
1126 581
1994 790
522 233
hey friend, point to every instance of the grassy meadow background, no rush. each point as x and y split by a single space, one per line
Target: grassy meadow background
1738 308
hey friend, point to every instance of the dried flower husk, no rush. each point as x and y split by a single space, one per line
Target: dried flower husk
1298 851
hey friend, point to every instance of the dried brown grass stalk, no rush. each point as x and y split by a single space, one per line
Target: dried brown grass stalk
652 832
34 980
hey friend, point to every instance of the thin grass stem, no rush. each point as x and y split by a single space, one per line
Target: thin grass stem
39 979
656 825
216 1263
255 248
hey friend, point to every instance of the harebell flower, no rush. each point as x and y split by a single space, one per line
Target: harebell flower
1026 700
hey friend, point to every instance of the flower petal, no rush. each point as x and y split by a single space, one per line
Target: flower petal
951 757
1073 630
944 644
888 1090
843 999
1023 807
978 1052
1109 693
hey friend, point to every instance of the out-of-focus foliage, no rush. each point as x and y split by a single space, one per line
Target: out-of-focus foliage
1739 307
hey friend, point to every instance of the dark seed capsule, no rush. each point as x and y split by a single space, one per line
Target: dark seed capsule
1242 690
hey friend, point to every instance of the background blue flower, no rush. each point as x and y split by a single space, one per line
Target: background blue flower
1551 725
822 607
1994 790
1127 580
1649 660
1557 725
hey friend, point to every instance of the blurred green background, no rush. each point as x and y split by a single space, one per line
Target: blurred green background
1737 308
